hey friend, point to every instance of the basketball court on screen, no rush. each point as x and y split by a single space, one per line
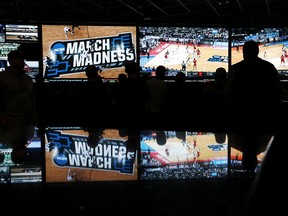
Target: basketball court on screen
179 53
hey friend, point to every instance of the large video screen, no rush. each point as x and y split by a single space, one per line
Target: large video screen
273 45
196 51
90 154
25 39
68 50
175 155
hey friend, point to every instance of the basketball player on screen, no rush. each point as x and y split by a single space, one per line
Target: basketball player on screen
66 30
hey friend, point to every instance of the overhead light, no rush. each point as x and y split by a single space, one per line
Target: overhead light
223 2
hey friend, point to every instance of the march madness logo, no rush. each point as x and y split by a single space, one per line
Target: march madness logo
74 56
73 151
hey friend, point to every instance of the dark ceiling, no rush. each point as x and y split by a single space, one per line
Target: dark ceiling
154 11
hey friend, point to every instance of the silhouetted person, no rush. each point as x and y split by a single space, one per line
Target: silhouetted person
17 96
131 98
121 77
251 145
92 74
253 98
19 153
145 77
180 99
17 107
220 137
94 136
213 107
180 79
253 90
94 97
132 143
17 134
181 135
158 91
161 138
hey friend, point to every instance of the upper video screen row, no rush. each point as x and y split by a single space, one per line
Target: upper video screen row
66 50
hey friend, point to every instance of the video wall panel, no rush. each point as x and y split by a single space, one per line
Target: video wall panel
20 154
90 154
180 155
273 45
196 51
24 38
68 50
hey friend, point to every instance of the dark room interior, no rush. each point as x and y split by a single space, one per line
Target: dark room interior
87 155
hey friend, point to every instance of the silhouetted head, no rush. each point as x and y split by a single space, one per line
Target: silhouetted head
121 77
19 153
181 135
93 140
220 137
161 138
15 54
160 72
123 132
131 67
92 73
16 59
94 137
180 77
250 50
220 73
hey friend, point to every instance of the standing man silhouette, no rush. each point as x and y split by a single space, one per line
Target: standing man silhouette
17 96
253 89
17 107
253 92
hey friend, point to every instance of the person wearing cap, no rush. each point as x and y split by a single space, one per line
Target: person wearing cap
17 107
17 98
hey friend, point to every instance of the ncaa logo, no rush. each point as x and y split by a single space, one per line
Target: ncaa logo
58 48
61 159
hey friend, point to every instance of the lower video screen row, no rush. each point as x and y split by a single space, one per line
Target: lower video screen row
78 154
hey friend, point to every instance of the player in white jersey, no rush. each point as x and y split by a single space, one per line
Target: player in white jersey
66 30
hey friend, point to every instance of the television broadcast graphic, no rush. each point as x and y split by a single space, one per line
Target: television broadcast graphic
21 33
172 155
68 50
16 167
5 48
85 155
273 45
23 38
196 51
